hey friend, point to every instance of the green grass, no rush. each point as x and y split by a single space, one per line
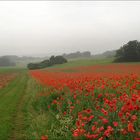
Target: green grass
18 118
83 62
9 98
35 121
11 69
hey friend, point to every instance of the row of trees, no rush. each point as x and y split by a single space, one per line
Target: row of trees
77 55
47 63
129 52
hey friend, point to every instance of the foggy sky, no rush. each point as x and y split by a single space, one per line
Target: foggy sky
44 28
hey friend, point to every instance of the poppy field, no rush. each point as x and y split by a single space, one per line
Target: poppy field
100 102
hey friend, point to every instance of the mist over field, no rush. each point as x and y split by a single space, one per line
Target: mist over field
41 28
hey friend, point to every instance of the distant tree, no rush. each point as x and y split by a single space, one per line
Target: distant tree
59 60
47 63
86 54
6 62
129 52
77 55
52 60
12 58
33 66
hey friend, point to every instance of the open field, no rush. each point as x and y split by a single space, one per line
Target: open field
90 62
84 62
70 70
95 100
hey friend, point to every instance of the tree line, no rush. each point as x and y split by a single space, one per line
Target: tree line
129 52
4 62
47 63
77 54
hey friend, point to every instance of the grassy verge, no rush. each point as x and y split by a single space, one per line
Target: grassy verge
35 122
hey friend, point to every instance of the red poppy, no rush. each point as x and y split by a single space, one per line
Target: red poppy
44 137
130 127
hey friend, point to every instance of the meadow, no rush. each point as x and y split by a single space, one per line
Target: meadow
79 100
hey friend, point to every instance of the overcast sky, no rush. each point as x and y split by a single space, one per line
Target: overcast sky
45 27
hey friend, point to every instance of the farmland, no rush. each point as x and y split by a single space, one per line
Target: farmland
94 102
91 101
70 70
